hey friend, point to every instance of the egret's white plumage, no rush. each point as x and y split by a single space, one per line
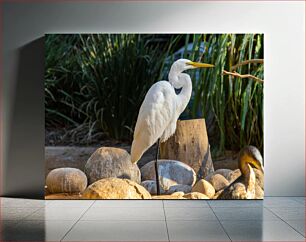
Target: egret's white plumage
162 107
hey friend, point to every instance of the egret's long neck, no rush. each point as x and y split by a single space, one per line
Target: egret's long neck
181 80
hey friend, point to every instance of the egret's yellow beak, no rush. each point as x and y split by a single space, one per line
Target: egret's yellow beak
199 65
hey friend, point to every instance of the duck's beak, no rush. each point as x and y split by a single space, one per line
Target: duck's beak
199 65
258 165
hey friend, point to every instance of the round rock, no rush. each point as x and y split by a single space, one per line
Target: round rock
171 172
195 195
150 185
223 172
179 188
219 182
116 188
232 176
204 187
176 195
64 196
66 180
217 194
108 162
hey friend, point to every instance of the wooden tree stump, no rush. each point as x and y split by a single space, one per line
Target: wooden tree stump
190 145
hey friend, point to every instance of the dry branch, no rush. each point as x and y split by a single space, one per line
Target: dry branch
242 76
261 61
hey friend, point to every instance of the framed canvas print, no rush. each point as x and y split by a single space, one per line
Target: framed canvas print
154 116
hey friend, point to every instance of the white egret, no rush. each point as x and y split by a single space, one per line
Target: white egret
161 108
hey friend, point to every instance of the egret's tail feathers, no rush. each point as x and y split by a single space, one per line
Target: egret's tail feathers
135 153
134 158
139 146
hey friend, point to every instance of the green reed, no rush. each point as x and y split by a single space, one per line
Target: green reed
96 84
99 81
232 106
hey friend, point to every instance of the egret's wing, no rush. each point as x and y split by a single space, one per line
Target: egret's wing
155 114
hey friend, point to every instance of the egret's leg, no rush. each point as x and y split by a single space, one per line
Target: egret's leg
156 169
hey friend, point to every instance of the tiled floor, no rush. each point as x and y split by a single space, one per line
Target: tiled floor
274 219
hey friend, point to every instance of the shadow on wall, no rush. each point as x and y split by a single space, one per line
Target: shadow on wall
25 231
25 150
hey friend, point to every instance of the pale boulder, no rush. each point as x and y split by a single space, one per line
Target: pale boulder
204 187
179 188
223 172
64 196
176 195
217 194
150 185
195 195
171 172
108 162
232 176
66 180
116 188
219 182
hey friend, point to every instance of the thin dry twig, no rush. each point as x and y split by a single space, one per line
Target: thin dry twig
236 74
261 61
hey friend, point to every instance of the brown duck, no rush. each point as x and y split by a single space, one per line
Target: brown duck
245 187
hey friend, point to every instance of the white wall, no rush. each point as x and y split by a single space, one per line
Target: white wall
283 24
